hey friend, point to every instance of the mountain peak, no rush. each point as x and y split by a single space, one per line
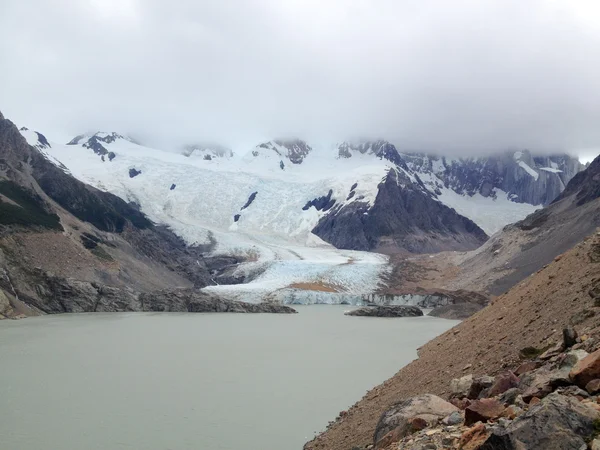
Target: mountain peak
295 150
379 148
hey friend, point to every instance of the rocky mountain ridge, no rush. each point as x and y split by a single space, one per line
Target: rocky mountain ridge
52 221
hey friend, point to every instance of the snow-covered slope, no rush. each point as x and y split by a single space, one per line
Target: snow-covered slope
264 203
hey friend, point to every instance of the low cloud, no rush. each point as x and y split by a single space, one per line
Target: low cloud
463 77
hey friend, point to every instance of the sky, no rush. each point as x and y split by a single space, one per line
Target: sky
461 76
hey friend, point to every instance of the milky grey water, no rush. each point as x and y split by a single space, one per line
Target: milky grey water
192 381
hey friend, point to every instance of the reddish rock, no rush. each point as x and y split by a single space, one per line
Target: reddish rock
593 387
586 370
393 436
474 437
483 410
418 424
526 367
512 412
460 403
534 401
502 383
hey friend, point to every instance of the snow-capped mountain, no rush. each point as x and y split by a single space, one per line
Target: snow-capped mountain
299 212
536 180
206 151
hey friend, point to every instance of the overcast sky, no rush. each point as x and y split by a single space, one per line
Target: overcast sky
441 75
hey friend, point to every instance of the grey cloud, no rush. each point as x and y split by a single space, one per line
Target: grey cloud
470 76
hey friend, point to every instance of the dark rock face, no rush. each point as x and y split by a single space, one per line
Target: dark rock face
387 311
134 172
106 211
236 217
527 179
27 208
585 186
324 203
173 186
65 295
404 215
250 200
193 301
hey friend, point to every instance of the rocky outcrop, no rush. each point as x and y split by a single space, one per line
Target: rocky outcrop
65 295
403 216
386 311
525 177
379 148
194 301
294 150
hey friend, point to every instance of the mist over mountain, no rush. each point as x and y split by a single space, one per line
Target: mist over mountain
461 77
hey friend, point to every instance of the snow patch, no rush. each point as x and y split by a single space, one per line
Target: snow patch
529 170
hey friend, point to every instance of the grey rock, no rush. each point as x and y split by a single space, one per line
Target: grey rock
569 337
509 397
557 423
427 406
455 418
479 385
460 387
387 311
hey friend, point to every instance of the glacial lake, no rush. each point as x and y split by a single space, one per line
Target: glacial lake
171 381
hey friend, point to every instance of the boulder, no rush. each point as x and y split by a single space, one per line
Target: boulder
586 370
483 410
479 385
556 423
569 337
526 367
387 311
427 406
474 437
502 383
542 382
593 387
510 396
455 418
460 387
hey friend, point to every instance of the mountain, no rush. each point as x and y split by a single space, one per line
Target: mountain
404 215
66 246
526 246
297 217
373 197
523 178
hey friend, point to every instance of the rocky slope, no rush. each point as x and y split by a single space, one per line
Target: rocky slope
53 223
526 320
526 246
